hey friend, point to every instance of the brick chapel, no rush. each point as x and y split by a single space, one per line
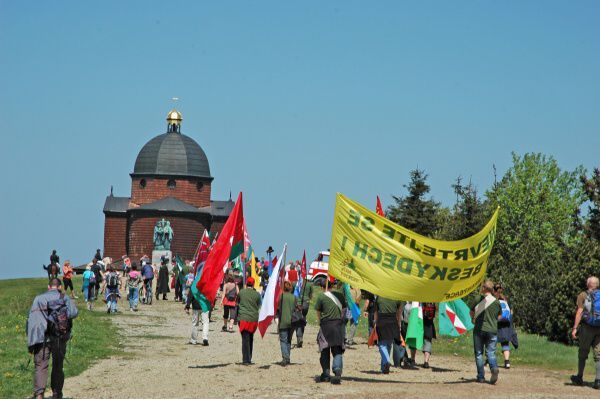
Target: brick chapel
171 179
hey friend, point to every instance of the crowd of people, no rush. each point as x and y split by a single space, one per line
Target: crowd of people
387 319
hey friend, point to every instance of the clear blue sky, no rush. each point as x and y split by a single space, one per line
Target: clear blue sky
292 102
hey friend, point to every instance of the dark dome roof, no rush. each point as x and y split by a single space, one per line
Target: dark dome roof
172 154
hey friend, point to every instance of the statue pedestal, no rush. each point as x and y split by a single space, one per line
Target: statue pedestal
157 254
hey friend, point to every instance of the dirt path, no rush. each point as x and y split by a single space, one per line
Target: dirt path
160 364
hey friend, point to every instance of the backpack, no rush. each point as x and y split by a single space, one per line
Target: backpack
92 278
59 323
506 315
148 272
591 314
428 311
112 280
231 294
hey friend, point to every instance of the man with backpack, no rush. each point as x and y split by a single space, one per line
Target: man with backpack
112 284
48 330
587 329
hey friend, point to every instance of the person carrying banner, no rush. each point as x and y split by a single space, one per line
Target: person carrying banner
486 313
249 302
48 330
330 307
587 329
387 317
198 315
369 309
350 323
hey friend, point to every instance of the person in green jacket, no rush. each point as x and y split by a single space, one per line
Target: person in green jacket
287 304
486 313
248 308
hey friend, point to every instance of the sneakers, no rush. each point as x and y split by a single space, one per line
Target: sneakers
426 365
224 328
299 345
386 369
506 364
577 380
481 380
205 342
323 378
494 377
193 342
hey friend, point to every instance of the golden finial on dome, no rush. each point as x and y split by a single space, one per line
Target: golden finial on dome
174 119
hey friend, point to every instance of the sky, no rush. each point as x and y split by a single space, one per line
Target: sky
291 101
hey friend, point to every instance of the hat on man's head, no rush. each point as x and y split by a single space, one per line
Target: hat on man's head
250 281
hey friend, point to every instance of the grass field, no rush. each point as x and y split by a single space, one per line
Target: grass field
94 336
534 350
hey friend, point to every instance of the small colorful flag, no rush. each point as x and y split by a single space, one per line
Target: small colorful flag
270 299
354 309
455 318
414 334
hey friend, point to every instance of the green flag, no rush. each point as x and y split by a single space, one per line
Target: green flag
414 334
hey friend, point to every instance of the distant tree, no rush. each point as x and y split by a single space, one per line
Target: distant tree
468 216
416 211
538 203
591 188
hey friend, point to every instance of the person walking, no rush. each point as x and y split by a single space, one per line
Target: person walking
330 306
306 294
98 274
506 331
287 304
48 331
369 309
134 280
198 314
486 314
229 302
249 302
162 284
112 284
587 329
89 284
350 323
429 333
387 318
67 278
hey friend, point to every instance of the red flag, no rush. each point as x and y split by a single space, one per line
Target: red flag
232 236
303 266
202 251
379 208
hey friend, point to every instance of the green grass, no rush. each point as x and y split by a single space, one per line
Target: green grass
534 350
94 336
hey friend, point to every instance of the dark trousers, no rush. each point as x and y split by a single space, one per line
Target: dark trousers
41 359
178 289
247 346
300 329
325 360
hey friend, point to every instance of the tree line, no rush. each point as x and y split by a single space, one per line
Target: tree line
547 238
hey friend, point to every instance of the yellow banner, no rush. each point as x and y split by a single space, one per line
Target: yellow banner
372 253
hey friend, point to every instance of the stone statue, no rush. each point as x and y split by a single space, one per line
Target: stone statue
163 235
167 235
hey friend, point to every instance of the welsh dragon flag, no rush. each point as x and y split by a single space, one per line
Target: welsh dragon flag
229 245
414 334
455 318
